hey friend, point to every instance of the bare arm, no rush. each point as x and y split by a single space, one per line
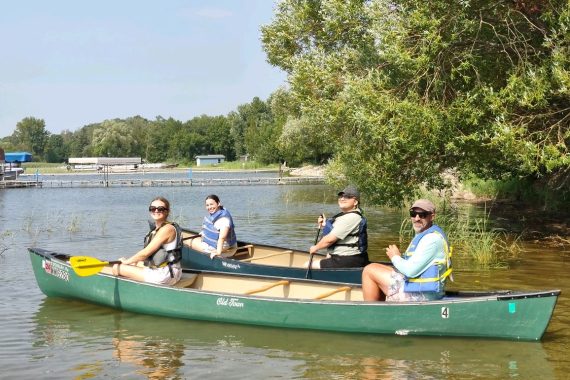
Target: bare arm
224 231
325 242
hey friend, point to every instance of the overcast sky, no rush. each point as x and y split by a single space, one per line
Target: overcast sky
73 63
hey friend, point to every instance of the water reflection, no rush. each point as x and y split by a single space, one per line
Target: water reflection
156 347
155 358
61 323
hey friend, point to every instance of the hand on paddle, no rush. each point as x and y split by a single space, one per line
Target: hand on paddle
321 221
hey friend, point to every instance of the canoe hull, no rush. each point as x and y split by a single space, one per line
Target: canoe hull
520 316
192 259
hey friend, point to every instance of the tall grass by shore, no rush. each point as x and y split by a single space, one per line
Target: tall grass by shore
471 236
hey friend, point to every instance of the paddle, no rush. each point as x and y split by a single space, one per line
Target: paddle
88 266
311 255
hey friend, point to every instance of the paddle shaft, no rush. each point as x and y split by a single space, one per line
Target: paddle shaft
311 254
101 264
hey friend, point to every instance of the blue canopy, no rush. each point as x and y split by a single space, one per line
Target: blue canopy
18 157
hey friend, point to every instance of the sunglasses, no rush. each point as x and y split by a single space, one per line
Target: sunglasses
421 214
157 209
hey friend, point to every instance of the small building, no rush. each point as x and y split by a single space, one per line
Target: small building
210 159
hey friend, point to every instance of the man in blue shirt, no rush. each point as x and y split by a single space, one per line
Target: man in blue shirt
418 274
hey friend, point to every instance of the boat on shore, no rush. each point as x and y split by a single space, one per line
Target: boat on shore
301 304
265 260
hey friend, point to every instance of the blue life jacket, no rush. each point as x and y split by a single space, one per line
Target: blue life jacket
210 234
362 232
433 278
163 257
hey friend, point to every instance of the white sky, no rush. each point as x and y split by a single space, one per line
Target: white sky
73 63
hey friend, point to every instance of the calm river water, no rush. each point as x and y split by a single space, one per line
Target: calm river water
53 338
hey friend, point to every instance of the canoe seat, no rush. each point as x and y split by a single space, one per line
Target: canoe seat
334 291
267 287
245 250
186 281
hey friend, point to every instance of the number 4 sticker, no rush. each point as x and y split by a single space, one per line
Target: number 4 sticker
445 312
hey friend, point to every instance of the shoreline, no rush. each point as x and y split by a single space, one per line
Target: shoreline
150 171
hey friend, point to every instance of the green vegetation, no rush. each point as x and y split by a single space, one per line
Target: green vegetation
388 94
44 168
471 237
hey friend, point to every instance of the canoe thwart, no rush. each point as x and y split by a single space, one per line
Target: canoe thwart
288 252
267 287
334 291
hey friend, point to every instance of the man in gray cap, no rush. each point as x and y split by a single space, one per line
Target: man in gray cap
345 235
419 274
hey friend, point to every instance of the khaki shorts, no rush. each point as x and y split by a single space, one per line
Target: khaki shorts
162 275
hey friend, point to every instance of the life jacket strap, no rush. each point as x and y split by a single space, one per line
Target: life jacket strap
432 279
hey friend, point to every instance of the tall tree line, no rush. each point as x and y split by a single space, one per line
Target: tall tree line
248 130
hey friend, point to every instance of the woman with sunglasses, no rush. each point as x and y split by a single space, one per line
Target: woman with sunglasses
345 235
159 261
419 274
218 236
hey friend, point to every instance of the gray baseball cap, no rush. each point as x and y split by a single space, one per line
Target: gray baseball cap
425 205
350 191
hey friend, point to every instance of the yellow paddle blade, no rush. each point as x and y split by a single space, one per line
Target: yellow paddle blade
86 266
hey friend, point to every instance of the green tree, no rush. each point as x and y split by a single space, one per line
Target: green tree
405 90
187 145
56 150
219 137
255 131
31 135
80 142
138 127
113 138
157 141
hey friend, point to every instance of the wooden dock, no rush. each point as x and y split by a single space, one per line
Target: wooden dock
15 184
182 182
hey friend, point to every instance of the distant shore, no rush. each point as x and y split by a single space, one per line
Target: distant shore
305 171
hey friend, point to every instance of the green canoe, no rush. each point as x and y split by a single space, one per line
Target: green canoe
302 304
